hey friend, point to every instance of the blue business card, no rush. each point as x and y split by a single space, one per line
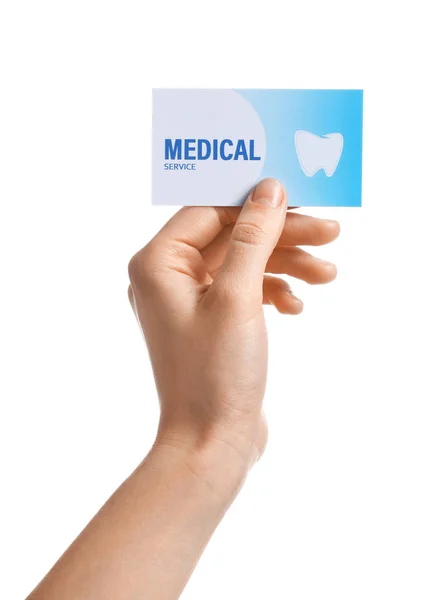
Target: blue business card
211 146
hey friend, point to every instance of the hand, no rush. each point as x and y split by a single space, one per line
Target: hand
197 290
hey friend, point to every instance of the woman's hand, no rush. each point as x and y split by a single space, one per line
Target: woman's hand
197 290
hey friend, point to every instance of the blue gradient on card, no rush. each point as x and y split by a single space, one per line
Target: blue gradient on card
320 112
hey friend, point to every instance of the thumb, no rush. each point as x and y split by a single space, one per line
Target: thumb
254 238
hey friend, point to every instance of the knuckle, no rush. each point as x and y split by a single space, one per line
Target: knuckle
136 265
142 265
249 232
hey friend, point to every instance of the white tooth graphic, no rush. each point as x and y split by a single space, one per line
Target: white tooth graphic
315 152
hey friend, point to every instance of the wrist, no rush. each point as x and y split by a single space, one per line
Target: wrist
215 466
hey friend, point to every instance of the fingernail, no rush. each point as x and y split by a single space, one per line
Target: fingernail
297 305
294 299
327 264
268 192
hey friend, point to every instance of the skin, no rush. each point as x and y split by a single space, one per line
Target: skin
197 290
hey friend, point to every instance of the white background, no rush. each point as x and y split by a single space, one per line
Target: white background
333 510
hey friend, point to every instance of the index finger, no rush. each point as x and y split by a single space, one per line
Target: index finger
197 226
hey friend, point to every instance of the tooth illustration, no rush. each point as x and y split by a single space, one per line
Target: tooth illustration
315 152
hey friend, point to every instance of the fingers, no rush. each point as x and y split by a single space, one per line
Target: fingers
278 293
176 249
285 259
253 239
195 226
174 253
302 230
298 230
301 265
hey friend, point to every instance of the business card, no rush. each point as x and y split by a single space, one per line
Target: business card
211 146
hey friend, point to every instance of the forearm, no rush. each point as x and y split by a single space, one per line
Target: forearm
146 540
